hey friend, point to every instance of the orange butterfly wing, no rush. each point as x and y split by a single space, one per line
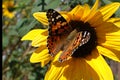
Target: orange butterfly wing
80 39
58 30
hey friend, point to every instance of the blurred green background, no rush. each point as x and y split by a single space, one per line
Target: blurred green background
17 20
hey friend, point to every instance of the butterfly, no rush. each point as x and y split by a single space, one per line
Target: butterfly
63 36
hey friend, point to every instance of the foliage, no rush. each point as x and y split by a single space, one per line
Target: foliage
16 54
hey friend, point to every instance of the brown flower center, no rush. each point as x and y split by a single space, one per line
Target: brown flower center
85 49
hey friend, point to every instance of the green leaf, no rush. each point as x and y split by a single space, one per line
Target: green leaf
5 40
84 1
36 9
12 31
64 7
52 4
106 1
37 6
20 22
115 0
118 13
24 29
8 74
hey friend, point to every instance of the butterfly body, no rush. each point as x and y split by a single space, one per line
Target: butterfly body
64 36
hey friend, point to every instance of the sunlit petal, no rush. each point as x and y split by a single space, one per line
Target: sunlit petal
86 12
33 33
41 17
40 55
93 11
112 54
108 10
97 62
76 13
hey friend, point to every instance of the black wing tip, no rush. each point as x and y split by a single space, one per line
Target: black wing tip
50 10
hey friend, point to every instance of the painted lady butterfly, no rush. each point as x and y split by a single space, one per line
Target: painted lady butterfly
63 36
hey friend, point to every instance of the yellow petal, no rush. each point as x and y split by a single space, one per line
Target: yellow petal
108 35
39 40
33 33
78 69
40 48
115 55
95 6
43 63
86 9
9 3
55 70
40 55
99 65
115 21
41 17
108 10
112 45
37 44
113 36
66 17
76 13
94 68
78 7
96 19
8 14
93 11
111 41
106 27
5 6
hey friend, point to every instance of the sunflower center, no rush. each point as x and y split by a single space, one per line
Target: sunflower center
11 9
85 49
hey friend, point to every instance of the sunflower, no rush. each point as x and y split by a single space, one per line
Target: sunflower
8 8
104 42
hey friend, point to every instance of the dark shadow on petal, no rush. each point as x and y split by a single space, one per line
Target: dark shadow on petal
42 47
45 33
110 28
